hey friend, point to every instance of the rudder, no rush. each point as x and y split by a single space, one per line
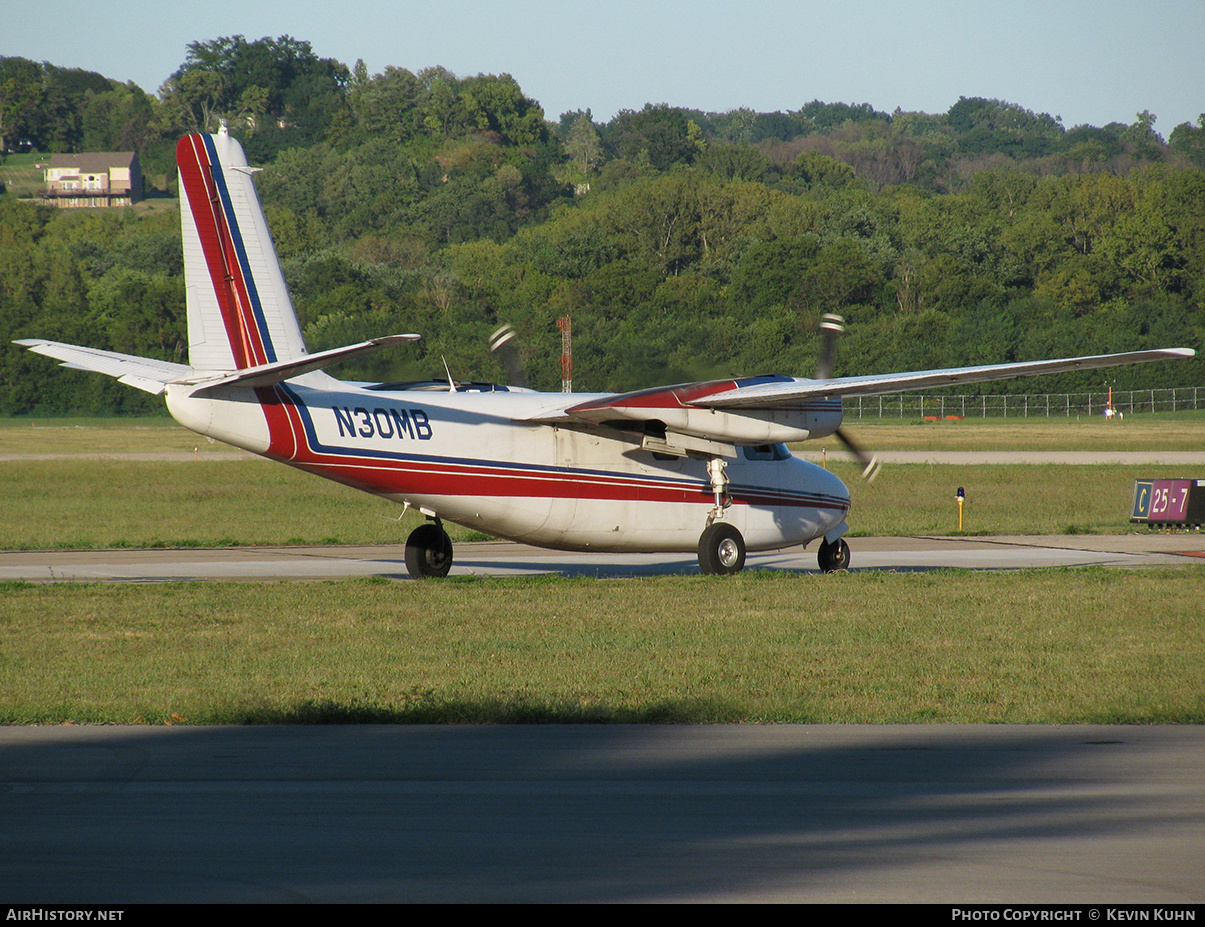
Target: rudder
239 311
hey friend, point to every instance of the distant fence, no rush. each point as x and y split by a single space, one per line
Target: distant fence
1023 405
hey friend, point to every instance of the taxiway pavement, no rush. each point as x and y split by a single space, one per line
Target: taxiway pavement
503 558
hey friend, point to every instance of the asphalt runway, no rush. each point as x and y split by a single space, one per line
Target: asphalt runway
503 558
1098 815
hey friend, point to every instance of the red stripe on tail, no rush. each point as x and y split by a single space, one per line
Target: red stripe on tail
221 257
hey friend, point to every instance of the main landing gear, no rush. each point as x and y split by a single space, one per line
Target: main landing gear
721 547
721 550
429 551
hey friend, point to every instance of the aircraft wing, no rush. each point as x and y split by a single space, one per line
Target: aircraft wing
717 416
786 393
142 372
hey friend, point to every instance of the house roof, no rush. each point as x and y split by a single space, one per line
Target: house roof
100 162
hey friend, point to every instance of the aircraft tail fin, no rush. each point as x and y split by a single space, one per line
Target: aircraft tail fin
239 312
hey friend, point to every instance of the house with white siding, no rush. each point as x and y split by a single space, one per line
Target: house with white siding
93 179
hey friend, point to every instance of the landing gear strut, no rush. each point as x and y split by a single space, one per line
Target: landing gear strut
834 557
429 551
721 547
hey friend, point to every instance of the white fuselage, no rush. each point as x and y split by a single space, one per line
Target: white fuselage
491 461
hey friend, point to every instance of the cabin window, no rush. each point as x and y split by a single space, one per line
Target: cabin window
766 452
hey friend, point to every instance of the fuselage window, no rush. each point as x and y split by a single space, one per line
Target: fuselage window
766 452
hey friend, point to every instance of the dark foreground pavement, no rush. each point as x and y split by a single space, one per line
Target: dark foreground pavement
605 813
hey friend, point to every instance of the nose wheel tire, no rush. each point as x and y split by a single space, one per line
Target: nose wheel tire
721 550
428 552
833 558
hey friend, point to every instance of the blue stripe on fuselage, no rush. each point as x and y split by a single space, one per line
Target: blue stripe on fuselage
317 447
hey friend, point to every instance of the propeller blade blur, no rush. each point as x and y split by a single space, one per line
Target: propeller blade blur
504 343
831 329
870 463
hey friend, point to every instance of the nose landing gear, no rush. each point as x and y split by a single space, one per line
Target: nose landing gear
834 557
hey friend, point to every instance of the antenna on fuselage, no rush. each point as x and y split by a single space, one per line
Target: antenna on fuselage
448 371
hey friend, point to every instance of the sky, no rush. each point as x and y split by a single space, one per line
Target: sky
1086 62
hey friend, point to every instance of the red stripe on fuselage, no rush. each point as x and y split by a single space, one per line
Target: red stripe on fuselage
286 436
221 257
403 476
410 477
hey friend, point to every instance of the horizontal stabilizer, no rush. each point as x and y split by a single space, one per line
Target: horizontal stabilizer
271 374
153 376
142 372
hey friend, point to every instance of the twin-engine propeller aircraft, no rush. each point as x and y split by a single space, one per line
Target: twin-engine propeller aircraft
698 467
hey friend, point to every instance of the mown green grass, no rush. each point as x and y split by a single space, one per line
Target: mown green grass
1049 646
1159 431
921 499
87 504
1039 646
122 503
146 434
1180 431
21 175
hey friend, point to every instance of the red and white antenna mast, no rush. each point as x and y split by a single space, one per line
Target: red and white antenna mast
565 324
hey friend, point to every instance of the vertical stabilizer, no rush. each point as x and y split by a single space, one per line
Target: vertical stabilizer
239 311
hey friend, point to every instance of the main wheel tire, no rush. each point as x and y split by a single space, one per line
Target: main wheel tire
833 558
721 550
428 552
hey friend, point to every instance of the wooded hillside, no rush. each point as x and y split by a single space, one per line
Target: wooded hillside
684 244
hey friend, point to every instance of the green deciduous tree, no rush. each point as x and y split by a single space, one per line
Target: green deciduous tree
20 93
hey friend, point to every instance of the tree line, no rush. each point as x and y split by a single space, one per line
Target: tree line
684 244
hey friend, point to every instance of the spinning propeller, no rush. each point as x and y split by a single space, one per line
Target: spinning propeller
831 329
504 343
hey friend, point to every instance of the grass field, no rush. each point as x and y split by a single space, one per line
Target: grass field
152 434
21 175
89 504
1181 431
1077 646
1048 646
